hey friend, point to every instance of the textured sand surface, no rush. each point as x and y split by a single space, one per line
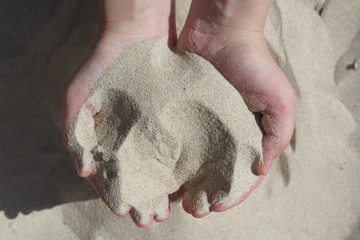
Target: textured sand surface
312 191
159 122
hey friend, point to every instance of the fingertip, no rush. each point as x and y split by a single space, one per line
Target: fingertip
124 214
143 221
263 169
186 202
83 171
141 224
200 215
162 218
272 146
262 165
163 213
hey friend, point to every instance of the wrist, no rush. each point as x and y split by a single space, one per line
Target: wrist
134 18
249 15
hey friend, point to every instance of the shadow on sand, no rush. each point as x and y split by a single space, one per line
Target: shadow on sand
42 43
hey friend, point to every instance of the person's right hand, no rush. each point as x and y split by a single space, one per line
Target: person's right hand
123 23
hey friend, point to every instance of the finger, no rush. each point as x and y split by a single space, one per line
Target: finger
278 127
85 170
219 207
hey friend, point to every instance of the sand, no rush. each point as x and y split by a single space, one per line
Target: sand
312 191
160 122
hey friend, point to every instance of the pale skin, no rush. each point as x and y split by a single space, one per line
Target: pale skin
227 33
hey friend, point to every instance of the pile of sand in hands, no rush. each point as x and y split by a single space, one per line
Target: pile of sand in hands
159 122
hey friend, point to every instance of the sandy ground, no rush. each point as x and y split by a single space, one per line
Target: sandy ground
312 192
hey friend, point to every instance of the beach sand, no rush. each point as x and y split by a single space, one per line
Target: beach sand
311 192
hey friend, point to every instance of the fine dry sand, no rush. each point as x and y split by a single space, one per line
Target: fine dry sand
160 122
312 191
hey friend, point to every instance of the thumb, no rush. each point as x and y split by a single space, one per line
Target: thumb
278 127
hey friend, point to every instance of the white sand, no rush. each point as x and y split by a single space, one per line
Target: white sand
159 122
312 191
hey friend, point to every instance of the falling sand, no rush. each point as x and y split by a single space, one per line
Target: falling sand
160 122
